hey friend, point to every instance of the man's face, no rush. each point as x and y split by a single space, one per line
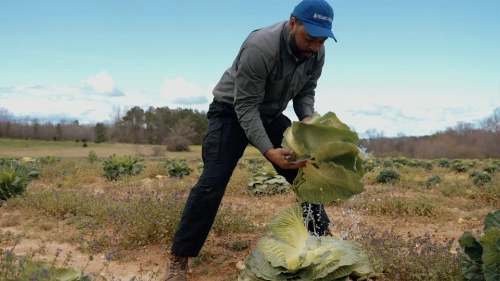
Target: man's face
303 45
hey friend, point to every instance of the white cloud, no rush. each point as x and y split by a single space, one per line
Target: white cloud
180 92
89 105
408 114
101 83
411 115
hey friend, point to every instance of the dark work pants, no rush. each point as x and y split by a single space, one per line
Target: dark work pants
222 148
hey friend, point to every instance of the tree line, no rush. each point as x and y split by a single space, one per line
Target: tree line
180 127
177 128
464 140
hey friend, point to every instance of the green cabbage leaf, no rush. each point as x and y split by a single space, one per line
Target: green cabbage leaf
335 169
290 253
480 258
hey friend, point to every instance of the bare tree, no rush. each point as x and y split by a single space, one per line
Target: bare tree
180 135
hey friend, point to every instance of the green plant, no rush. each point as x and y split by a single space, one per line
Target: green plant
433 180
420 164
241 165
470 194
398 165
443 163
49 160
238 245
290 253
92 157
267 182
480 259
481 179
178 168
368 166
254 164
20 268
14 178
491 168
387 163
401 160
335 168
387 176
460 167
116 167
427 165
26 160
199 169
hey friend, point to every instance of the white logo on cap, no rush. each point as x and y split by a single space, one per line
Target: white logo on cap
321 17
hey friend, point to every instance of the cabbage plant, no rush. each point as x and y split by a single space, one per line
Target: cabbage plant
267 182
335 168
14 178
290 253
480 258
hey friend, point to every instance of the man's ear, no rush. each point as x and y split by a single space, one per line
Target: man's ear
292 24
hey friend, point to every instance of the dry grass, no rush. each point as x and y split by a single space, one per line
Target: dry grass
133 219
24 148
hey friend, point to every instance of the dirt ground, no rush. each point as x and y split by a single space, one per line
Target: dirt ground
149 262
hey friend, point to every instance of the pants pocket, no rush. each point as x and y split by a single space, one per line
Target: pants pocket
211 144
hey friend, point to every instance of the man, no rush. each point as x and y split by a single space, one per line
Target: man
275 65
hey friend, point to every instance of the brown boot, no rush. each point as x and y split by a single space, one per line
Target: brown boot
177 268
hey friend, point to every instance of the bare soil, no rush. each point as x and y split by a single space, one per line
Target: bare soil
220 262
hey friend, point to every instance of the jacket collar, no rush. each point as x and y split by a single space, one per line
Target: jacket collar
286 40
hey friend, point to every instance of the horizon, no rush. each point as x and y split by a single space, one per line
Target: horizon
410 68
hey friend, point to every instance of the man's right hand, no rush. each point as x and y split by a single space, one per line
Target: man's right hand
277 156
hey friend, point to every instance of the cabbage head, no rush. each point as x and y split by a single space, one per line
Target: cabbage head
335 169
290 253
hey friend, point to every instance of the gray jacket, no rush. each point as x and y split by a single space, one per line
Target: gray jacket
264 78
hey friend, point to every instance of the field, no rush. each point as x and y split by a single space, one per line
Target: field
121 229
28 148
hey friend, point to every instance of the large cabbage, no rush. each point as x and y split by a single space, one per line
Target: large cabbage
335 169
290 253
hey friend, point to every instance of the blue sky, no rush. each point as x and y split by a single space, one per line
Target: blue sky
411 67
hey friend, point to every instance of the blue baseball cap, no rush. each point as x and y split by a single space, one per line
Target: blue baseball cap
317 16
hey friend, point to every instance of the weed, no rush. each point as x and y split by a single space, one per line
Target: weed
392 205
238 245
415 257
11 221
92 157
233 219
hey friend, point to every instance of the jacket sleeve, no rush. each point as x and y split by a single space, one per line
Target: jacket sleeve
252 68
303 103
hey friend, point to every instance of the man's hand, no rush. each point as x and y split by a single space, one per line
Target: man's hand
306 119
277 156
